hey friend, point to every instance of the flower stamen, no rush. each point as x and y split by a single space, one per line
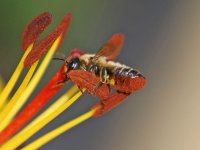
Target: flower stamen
35 80
45 118
11 83
5 115
58 131
51 43
2 84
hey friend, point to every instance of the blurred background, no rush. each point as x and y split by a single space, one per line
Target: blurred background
162 41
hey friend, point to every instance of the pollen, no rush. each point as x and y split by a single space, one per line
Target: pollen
112 82
35 28
40 49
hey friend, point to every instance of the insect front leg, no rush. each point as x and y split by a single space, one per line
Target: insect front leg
109 103
62 79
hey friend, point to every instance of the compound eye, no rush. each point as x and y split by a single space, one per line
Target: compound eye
74 64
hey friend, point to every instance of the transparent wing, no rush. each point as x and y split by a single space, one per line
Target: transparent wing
112 48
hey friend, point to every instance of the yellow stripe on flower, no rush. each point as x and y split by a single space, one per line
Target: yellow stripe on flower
25 134
36 78
56 132
5 115
11 83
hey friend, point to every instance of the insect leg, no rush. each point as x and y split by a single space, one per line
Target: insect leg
109 103
98 86
83 68
61 82
81 89
66 78
103 75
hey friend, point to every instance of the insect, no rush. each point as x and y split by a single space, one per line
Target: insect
98 73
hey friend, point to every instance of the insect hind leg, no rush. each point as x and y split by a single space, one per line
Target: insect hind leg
96 88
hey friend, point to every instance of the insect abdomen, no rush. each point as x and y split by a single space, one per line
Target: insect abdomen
128 80
126 72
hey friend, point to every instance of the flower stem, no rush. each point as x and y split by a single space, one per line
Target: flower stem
11 83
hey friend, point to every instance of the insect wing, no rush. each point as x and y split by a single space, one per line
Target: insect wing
112 48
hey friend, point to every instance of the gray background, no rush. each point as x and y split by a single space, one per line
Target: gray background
162 41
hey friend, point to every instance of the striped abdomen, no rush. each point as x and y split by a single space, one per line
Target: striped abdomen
127 79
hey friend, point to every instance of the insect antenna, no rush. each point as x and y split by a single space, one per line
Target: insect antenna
60 56
56 58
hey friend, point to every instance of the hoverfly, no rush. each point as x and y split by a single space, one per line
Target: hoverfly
98 73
